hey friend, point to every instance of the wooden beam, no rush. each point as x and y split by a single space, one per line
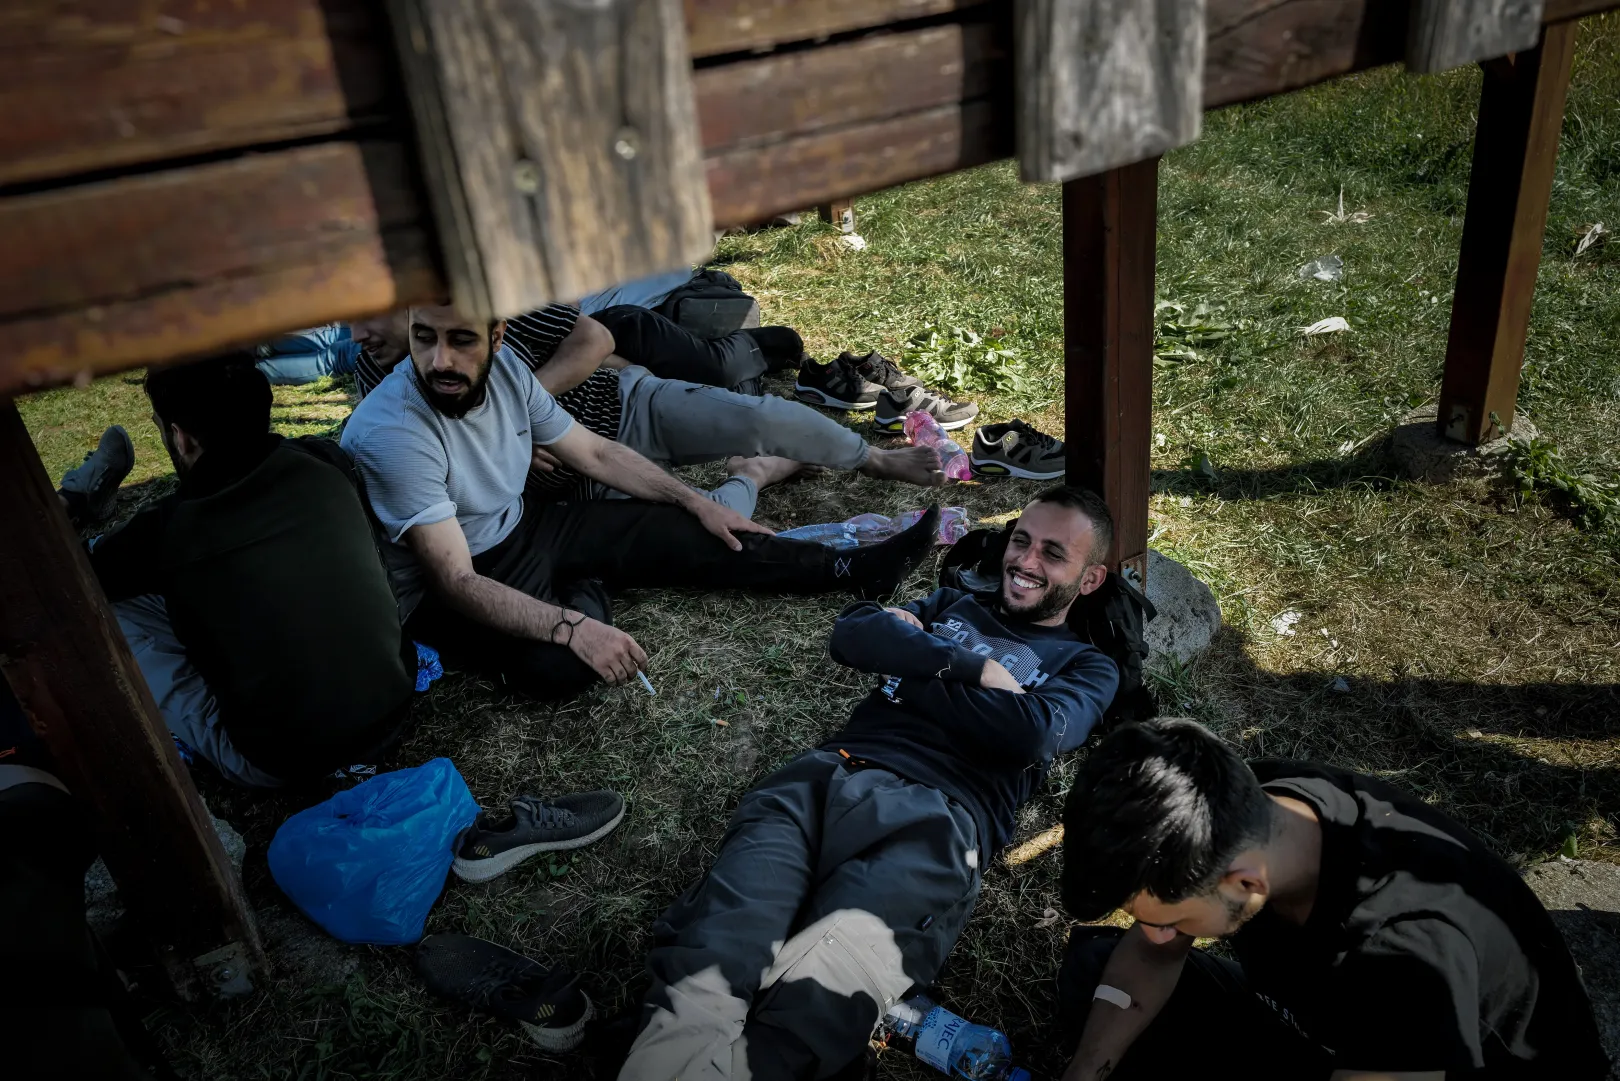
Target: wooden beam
1445 34
101 84
1109 221
559 144
751 184
103 277
729 26
66 660
781 96
1104 83
1521 111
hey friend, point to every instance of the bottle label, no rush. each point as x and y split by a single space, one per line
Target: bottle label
934 1039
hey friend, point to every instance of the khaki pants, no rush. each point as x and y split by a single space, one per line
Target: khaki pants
835 891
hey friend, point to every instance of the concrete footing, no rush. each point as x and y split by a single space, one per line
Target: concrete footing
1428 456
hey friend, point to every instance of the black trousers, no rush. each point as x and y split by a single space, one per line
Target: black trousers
669 350
566 553
1213 1014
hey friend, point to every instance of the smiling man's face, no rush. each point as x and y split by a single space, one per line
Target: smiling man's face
1050 561
452 355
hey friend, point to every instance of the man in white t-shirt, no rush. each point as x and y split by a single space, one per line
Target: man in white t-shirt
514 587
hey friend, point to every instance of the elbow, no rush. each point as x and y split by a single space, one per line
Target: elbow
597 339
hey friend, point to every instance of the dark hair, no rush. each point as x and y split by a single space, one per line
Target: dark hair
1091 505
220 402
1162 806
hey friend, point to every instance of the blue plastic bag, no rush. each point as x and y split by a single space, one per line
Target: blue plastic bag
368 863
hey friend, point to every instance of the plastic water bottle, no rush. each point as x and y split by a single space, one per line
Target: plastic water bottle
864 529
832 534
924 431
950 1044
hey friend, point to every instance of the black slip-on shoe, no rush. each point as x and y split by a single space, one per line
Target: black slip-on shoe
546 1002
494 846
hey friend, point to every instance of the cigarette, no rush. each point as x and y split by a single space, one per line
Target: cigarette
645 682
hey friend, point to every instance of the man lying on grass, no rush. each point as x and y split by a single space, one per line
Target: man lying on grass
608 384
1377 937
846 876
512 585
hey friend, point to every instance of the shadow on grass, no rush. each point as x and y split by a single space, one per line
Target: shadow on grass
1372 466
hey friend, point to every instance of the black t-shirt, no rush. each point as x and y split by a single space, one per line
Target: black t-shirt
1423 950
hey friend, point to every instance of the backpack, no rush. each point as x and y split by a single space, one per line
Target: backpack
1111 617
711 304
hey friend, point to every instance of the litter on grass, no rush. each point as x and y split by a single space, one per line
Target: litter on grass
1592 237
1329 268
1341 218
1333 325
1283 624
854 240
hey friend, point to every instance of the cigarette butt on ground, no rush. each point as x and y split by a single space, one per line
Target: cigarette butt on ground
1035 846
645 682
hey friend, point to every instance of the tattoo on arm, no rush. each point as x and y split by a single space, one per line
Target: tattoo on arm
1104 1070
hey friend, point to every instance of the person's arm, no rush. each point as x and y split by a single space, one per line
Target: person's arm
617 466
589 346
128 561
1035 725
1144 970
441 547
896 642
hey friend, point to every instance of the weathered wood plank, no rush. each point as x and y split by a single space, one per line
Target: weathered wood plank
1554 11
108 276
729 26
1104 83
1521 112
65 658
559 142
1445 34
874 78
1256 48
1109 224
750 185
99 84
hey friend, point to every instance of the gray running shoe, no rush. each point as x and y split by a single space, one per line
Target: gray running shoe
547 1002
892 407
874 367
1014 449
494 846
103 470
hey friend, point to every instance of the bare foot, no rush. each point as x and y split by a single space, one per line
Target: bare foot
914 465
764 470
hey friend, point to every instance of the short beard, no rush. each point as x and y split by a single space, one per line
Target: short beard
1236 912
458 407
1056 599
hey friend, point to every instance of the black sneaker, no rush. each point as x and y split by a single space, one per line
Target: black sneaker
494 846
881 569
547 1002
96 481
834 385
1015 449
781 347
892 407
874 367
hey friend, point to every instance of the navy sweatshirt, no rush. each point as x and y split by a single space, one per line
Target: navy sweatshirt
929 720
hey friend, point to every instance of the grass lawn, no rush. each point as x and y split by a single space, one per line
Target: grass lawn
1478 632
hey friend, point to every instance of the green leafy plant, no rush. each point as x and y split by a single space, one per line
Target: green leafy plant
958 359
1539 467
1181 330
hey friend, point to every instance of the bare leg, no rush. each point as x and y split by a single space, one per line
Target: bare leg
764 470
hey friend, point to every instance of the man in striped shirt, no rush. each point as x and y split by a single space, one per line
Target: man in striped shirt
763 439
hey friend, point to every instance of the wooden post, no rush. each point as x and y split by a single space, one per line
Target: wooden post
66 660
1446 34
840 213
1109 222
559 144
1104 83
1521 110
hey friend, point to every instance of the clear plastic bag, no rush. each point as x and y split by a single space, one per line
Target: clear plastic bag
368 864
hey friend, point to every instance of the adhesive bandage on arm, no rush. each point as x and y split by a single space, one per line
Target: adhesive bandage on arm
1112 995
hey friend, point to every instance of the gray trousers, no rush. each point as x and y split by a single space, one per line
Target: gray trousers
675 423
835 891
182 696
